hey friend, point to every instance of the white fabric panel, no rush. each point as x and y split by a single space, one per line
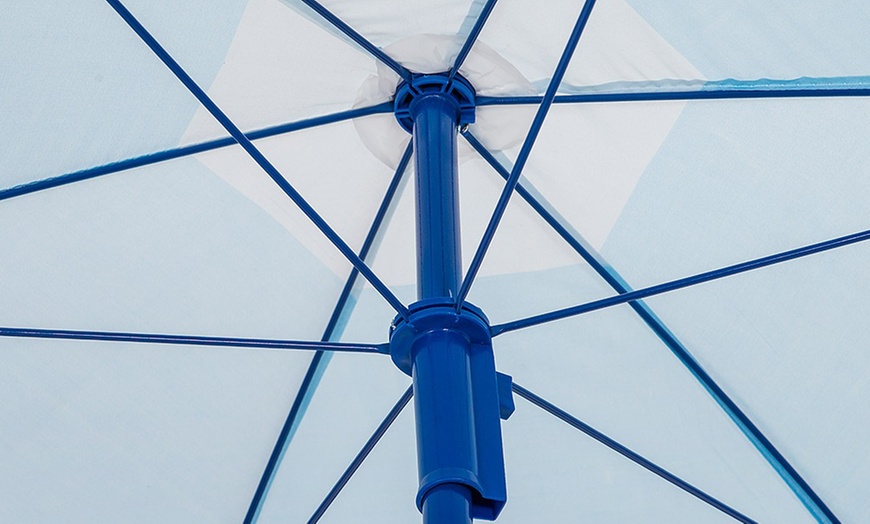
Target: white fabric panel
525 245
528 268
281 67
344 188
534 53
589 157
618 45
384 22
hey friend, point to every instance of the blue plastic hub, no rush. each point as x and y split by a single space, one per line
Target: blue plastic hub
435 314
458 89
456 396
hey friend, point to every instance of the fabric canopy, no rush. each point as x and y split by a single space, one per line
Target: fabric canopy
685 138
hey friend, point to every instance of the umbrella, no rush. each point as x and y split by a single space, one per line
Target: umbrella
233 229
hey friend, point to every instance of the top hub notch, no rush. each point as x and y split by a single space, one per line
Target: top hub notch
457 89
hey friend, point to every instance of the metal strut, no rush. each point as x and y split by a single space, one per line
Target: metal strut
447 352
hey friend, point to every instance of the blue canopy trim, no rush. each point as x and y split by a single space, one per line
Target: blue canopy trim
729 89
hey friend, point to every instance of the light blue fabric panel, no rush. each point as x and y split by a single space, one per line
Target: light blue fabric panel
148 433
609 370
97 432
790 343
749 39
737 180
557 474
743 179
354 395
130 252
80 89
384 488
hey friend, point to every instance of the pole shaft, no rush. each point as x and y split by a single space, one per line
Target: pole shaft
448 503
441 361
438 249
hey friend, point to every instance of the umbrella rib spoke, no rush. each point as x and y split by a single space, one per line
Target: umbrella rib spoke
526 149
628 453
362 455
192 340
184 151
319 362
258 157
472 37
685 282
792 478
713 93
348 31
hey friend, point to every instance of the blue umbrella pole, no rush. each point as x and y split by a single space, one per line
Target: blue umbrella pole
447 352
448 503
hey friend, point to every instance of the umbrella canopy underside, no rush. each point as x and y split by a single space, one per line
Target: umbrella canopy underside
685 138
